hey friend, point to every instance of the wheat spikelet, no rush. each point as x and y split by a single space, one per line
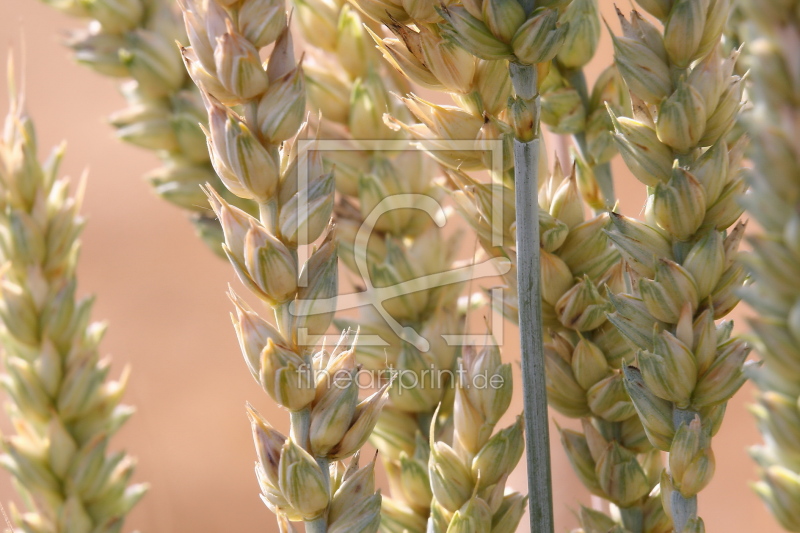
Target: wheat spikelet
468 477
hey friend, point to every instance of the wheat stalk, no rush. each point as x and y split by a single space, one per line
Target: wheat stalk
63 408
133 40
682 257
772 33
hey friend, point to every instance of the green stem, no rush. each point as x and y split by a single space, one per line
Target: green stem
526 159
683 509
324 465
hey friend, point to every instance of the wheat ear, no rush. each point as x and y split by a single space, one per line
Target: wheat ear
468 477
584 356
134 41
63 407
772 33
584 353
259 155
682 257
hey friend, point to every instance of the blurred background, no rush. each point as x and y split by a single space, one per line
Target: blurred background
163 293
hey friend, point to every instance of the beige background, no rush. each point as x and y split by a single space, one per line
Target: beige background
163 294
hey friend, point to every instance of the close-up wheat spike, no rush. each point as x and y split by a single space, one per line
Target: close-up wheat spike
256 141
134 41
584 354
682 275
773 36
622 321
63 406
